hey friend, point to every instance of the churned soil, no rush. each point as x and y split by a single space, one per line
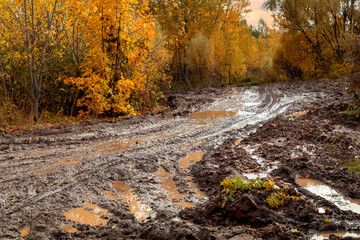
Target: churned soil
158 176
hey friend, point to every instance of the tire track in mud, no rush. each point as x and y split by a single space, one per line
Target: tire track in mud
258 104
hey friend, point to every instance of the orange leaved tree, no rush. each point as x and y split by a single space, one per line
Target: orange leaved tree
118 35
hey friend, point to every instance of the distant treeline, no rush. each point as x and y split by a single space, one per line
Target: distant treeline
91 58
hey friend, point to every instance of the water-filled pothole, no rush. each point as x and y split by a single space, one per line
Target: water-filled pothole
125 195
90 215
25 231
186 161
254 175
212 114
330 194
326 235
168 185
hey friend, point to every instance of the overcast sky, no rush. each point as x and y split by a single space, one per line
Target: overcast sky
256 13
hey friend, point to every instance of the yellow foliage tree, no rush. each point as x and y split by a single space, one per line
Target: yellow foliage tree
35 30
118 35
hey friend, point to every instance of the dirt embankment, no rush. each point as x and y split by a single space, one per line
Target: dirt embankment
158 176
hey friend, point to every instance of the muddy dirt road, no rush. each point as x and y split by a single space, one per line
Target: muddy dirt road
157 177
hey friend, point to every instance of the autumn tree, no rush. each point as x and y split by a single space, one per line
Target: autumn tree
199 57
35 29
324 25
118 35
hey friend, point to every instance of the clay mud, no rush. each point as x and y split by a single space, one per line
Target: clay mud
158 176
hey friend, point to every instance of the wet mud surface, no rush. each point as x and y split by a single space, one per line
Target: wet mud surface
158 176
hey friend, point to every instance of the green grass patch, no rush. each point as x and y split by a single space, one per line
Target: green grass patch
352 165
353 110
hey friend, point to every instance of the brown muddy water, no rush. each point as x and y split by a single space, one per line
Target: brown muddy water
125 195
25 231
168 185
212 114
90 214
185 162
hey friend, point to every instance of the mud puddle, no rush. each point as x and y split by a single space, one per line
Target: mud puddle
125 195
212 114
168 185
25 231
330 194
323 236
185 162
169 188
113 146
90 214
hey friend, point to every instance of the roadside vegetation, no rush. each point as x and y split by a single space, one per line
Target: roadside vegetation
273 195
67 60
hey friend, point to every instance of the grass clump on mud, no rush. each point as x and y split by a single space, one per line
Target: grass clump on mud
353 110
352 165
274 197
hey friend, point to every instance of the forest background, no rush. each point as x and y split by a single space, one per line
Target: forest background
61 59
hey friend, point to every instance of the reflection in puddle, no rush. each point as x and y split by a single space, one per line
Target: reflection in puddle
330 194
85 216
24 232
254 176
43 170
296 115
68 228
185 162
322 210
212 114
168 185
323 236
262 162
126 196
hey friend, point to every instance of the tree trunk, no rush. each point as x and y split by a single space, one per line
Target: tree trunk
36 109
